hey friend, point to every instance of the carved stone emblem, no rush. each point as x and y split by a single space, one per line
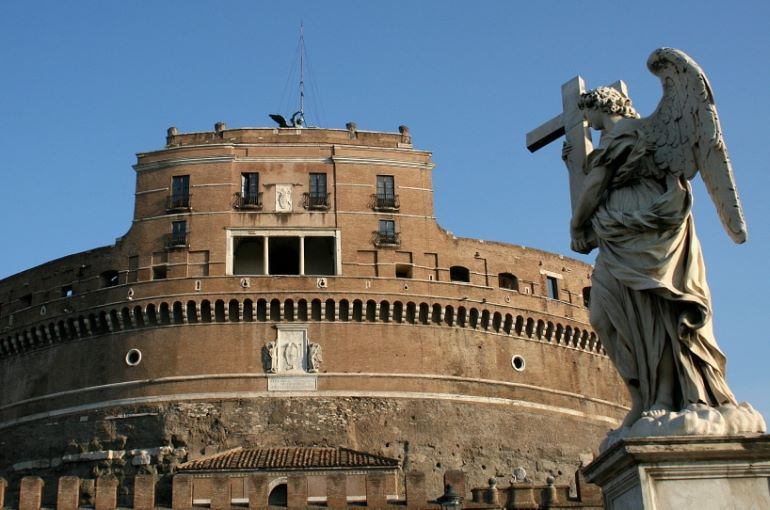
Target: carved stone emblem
283 200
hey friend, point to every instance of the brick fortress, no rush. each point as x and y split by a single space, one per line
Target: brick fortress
284 288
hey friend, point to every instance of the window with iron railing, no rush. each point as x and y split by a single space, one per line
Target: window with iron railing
386 235
385 198
249 197
317 198
178 236
180 193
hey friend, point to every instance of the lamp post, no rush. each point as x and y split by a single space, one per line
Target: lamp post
450 500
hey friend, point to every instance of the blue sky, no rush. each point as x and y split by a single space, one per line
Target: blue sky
84 86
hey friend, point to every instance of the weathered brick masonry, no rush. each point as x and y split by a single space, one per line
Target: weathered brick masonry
291 287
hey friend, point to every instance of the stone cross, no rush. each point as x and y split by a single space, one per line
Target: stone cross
570 124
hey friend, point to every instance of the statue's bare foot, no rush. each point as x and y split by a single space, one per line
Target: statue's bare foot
658 410
636 408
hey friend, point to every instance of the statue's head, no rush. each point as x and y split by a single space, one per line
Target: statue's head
608 100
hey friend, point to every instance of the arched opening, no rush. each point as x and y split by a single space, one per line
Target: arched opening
462 316
302 310
411 311
125 315
519 327
398 311
371 311
485 319
358 312
424 313
205 311
474 318
459 274
192 312
177 313
275 310
329 315
152 317
278 496
261 310
138 316
165 316
219 311
449 315
508 324
232 311
530 328
315 310
507 281
435 316
384 311
344 310
288 310
248 310
587 296
497 321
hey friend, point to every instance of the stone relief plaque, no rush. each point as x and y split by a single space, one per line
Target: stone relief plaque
291 358
283 201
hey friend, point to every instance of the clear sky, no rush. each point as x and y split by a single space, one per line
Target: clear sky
86 85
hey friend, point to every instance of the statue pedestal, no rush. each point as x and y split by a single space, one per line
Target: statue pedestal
699 472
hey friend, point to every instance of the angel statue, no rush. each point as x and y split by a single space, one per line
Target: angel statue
650 302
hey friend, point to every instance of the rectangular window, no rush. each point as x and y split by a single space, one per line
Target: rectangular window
159 272
386 234
316 198
180 192
250 195
66 291
385 198
385 186
133 268
552 287
318 185
178 237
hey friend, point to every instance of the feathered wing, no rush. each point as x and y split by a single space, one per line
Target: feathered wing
687 137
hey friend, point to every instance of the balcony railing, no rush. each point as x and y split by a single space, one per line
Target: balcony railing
316 201
176 240
385 202
248 200
386 238
178 203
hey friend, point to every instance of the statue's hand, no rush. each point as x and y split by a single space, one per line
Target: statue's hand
566 148
580 241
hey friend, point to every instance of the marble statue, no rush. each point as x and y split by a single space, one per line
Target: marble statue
650 303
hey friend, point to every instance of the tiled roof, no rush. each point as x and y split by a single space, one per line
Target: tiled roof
295 458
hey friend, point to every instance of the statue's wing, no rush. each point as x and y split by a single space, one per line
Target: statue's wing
687 137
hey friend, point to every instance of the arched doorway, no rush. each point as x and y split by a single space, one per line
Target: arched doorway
278 496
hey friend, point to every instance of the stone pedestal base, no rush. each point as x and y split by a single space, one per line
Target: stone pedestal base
695 472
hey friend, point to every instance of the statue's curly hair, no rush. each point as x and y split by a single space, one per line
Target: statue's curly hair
608 100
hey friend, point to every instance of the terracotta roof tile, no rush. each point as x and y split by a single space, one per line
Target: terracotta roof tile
247 459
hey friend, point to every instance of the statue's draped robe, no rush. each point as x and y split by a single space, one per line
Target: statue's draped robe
649 284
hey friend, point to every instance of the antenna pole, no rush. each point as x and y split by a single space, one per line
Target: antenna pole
302 68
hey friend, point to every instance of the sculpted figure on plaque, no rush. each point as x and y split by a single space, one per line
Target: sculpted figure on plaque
650 303
314 357
271 352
